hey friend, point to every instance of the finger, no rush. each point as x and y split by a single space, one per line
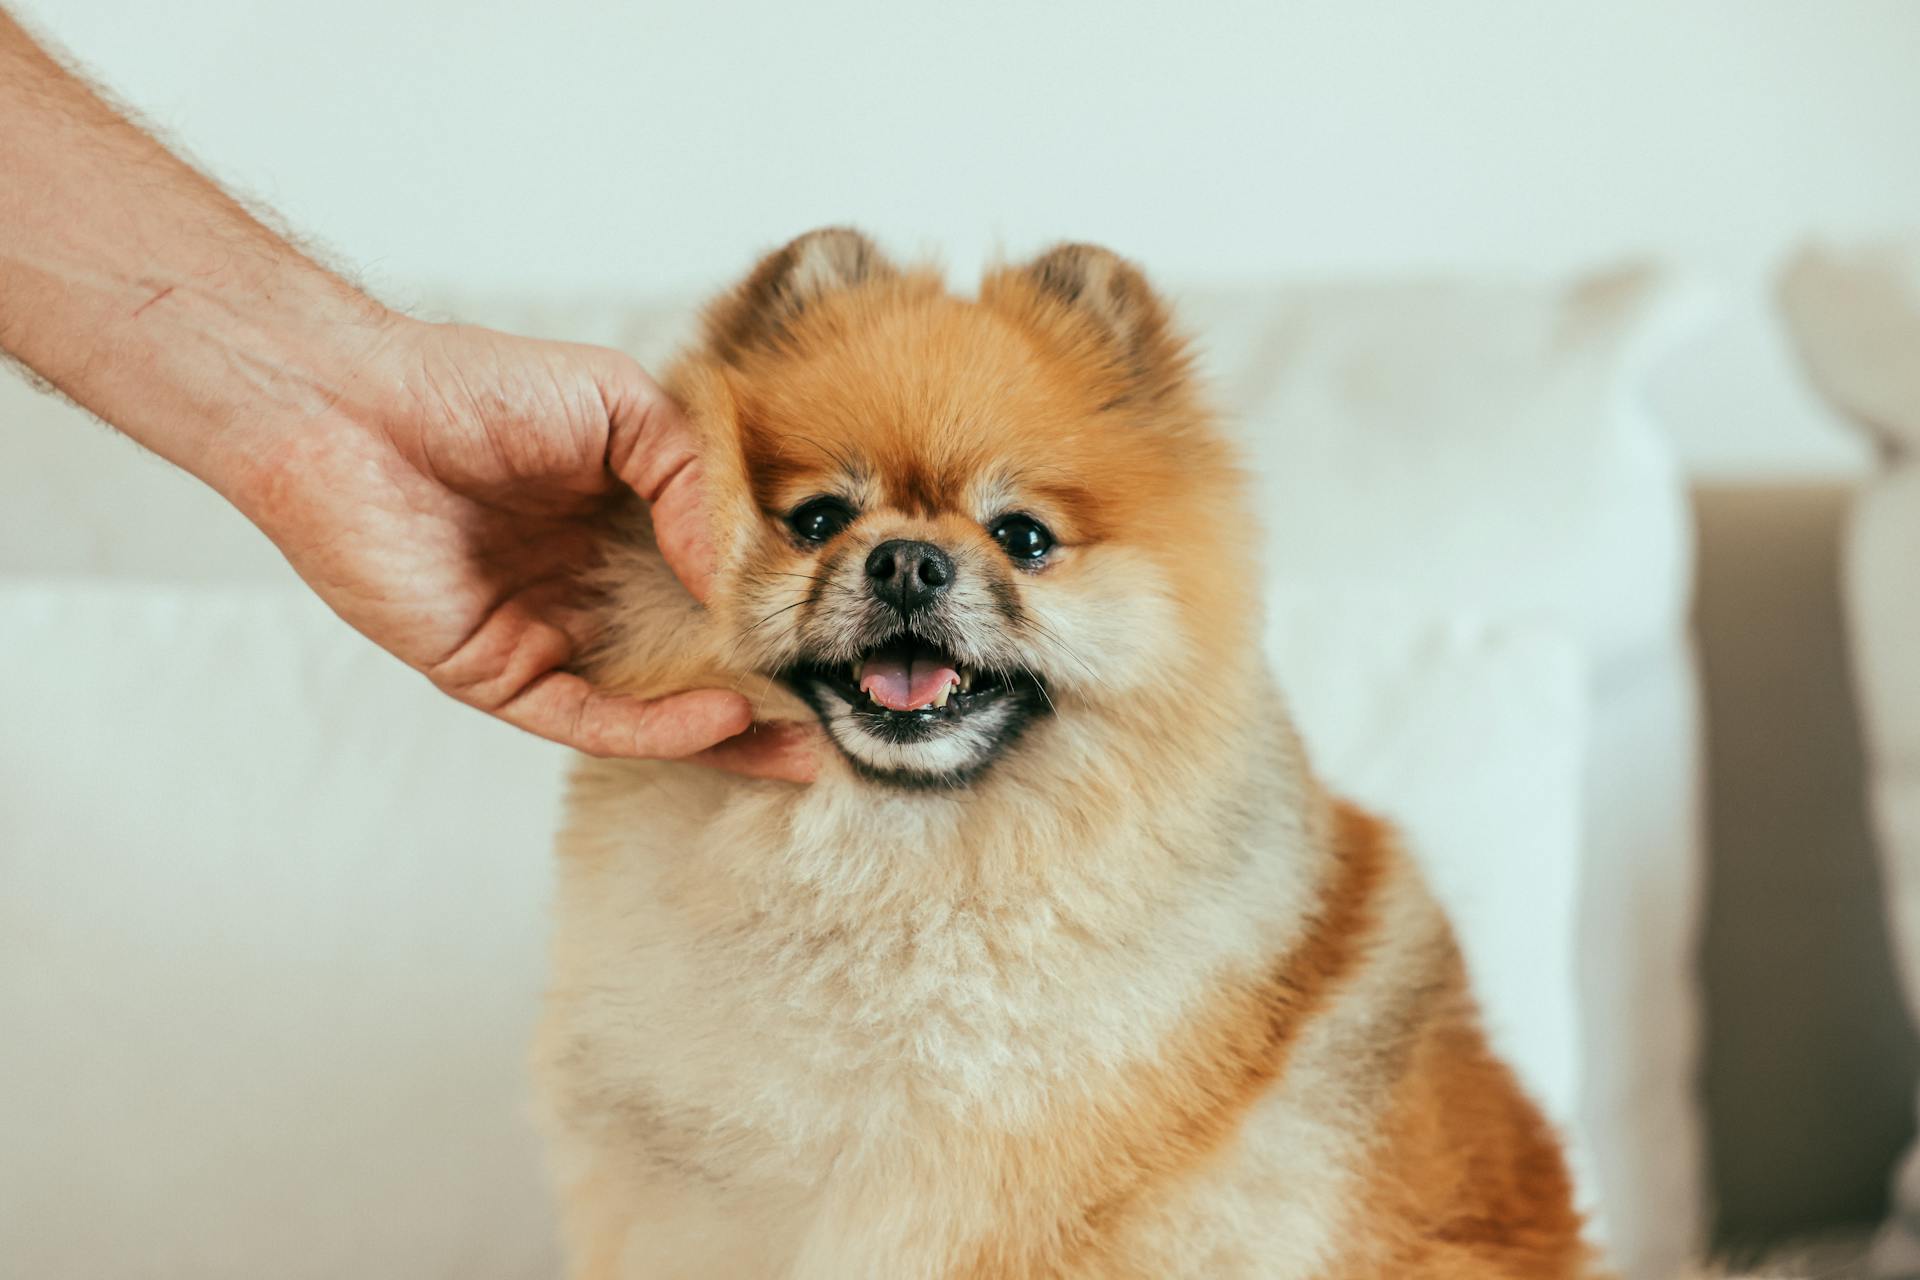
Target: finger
651 446
564 708
787 752
682 532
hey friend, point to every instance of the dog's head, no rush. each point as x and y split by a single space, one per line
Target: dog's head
948 526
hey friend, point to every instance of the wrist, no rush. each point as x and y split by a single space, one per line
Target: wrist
317 388
268 365
207 364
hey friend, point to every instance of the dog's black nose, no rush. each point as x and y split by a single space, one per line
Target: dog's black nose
909 575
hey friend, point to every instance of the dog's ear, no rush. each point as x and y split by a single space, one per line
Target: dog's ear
786 283
1101 306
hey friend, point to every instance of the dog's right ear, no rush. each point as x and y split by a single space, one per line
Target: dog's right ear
788 281
1096 302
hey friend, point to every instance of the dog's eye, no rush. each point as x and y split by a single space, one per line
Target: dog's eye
1022 537
818 519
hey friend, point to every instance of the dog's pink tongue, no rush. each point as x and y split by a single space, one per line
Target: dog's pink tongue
901 683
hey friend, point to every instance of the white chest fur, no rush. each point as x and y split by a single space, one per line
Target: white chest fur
755 987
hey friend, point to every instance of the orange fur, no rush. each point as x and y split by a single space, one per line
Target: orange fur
1173 1114
1467 1181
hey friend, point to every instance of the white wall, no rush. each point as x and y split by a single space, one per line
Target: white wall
577 145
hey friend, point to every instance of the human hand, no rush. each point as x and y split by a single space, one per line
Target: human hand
433 483
445 504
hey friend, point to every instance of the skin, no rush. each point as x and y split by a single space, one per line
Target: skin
435 484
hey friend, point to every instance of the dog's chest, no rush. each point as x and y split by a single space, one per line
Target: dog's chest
812 1036
764 1036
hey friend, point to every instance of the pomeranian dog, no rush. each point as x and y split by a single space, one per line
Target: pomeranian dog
1067 966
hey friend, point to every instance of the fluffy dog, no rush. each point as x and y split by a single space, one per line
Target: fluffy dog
1067 966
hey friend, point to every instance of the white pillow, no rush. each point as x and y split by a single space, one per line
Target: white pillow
271 912
1464 444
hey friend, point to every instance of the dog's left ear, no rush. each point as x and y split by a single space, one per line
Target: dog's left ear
786 283
1100 306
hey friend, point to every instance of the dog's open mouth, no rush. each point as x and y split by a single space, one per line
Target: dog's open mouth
907 688
908 712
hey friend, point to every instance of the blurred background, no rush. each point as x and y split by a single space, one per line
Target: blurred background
1634 257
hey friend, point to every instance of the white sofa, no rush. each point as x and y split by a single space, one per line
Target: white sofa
242 1034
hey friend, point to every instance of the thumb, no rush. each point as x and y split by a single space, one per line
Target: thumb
651 447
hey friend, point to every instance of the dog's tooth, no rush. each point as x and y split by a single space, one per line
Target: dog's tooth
966 679
853 670
940 698
873 696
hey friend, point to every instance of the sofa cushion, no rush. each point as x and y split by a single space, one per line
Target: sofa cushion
271 926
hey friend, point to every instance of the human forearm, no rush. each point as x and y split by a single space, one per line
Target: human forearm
168 309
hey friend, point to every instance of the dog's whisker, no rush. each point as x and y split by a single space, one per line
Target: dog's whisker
733 649
1063 648
1044 695
770 617
766 691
